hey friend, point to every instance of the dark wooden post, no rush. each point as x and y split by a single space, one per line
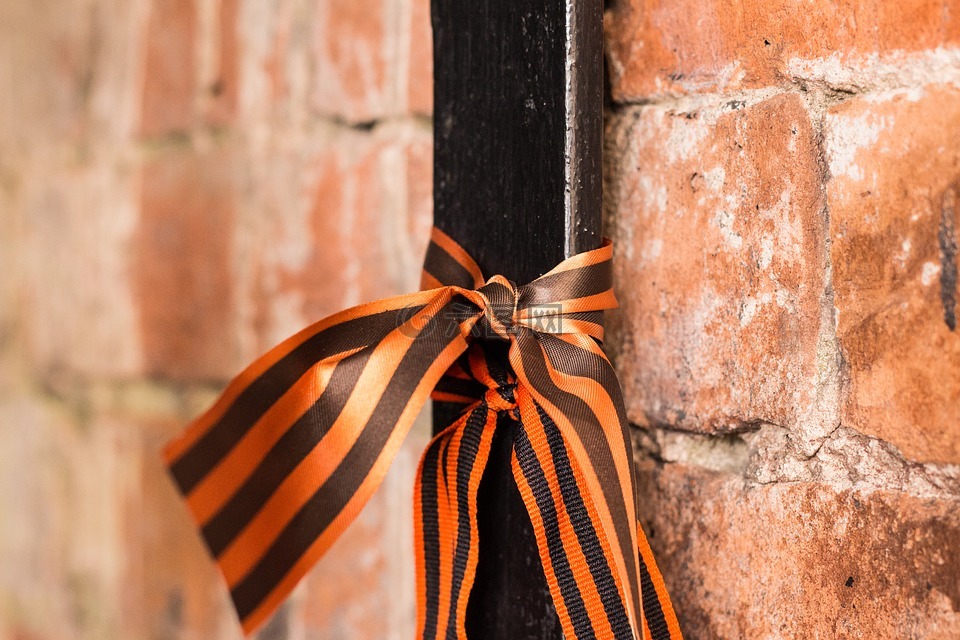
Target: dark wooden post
517 182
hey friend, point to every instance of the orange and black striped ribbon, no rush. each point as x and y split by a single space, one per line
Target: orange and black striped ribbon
277 469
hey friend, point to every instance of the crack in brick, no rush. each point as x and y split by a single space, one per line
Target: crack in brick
186 138
844 459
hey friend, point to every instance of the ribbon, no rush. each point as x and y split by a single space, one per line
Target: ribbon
277 469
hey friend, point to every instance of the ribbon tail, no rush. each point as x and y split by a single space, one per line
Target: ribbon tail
574 550
574 385
298 443
446 522
575 388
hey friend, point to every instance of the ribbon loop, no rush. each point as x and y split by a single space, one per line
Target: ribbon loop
277 469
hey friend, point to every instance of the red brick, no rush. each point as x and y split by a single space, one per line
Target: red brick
225 88
71 492
658 47
185 282
34 594
372 59
170 76
66 198
895 161
420 87
345 225
11 243
53 73
173 584
75 297
353 78
719 264
419 159
98 543
176 96
802 560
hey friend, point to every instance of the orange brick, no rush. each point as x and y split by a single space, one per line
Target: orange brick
344 225
802 560
420 87
176 97
657 47
372 59
224 90
895 165
719 264
171 67
74 292
185 282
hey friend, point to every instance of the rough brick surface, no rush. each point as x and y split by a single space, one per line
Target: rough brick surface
224 88
34 519
210 64
657 47
802 560
421 59
192 57
67 190
353 56
895 165
357 245
9 262
720 263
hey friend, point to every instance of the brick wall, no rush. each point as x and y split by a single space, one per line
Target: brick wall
185 182
782 180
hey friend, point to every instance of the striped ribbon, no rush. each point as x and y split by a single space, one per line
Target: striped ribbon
277 469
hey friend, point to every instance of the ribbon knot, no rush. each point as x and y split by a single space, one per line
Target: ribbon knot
499 299
282 463
501 398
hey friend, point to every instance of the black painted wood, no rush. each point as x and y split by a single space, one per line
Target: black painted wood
517 182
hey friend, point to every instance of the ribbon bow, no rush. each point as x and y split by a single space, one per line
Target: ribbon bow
277 469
